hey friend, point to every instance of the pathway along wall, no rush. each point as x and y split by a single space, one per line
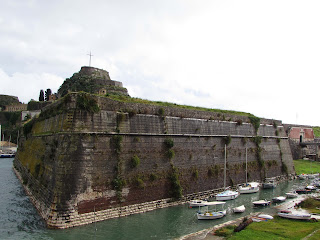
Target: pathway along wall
79 167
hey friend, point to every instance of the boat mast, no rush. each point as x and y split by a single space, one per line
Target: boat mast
246 166
225 166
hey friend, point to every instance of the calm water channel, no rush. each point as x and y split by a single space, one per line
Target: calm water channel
19 219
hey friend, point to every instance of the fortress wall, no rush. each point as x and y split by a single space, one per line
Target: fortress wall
77 160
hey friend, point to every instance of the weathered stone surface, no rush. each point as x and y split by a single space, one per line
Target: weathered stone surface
77 166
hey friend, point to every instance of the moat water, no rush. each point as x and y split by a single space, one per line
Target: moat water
20 220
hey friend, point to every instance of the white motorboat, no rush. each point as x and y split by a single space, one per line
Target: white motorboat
227 194
269 183
294 215
239 209
311 187
279 199
261 203
292 194
251 187
205 213
197 203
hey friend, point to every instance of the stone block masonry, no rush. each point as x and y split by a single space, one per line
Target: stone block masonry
79 167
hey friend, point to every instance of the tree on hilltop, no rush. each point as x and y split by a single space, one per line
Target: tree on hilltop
41 96
48 93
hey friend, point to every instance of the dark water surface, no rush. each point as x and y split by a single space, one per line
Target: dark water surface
20 220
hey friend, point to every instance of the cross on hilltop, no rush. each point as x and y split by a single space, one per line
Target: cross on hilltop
90 55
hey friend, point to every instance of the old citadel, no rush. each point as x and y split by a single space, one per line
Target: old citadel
99 154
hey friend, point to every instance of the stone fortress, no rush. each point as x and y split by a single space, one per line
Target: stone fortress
90 157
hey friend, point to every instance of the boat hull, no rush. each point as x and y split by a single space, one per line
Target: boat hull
227 196
261 203
295 216
239 209
211 215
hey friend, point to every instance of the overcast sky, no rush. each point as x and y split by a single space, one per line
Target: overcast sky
255 56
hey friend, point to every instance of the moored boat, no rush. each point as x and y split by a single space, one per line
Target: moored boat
239 209
279 199
291 194
197 203
294 215
261 203
251 187
269 183
227 195
311 187
207 214
303 191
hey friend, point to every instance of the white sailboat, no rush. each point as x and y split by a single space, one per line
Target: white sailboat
251 187
226 194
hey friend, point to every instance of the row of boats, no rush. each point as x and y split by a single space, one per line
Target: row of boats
208 210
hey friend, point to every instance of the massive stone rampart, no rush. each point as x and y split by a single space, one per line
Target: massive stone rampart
81 166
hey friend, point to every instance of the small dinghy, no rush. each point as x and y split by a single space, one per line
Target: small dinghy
239 209
261 203
291 194
279 199
311 187
261 217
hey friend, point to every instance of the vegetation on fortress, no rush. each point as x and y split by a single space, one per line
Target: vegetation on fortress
129 99
8 100
9 121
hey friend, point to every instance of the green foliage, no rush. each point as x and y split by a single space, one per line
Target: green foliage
28 127
120 118
153 177
277 132
225 231
116 141
118 183
277 228
316 131
171 153
168 142
135 161
259 157
239 122
195 173
87 103
284 168
306 166
255 121
161 111
8 100
257 140
311 204
176 189
139 181
123 98
227 140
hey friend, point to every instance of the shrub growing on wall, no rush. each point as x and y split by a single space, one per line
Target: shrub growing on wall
87 103
169 143
135 161
255 121
176 189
